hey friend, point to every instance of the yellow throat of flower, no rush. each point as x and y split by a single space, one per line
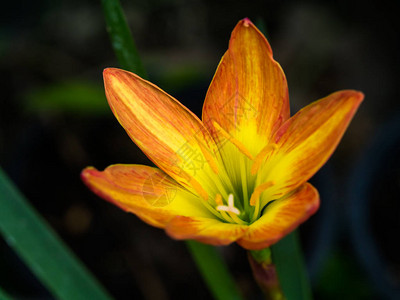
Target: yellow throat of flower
237 201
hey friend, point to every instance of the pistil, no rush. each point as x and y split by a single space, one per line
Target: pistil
231 211
230 207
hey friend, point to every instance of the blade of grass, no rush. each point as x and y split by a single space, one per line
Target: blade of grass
42 250
207 258
214 271
288 259
121 38
4 295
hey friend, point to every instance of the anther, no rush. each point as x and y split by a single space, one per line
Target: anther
258 190
218 200
260 157
198 188
209 157
242 148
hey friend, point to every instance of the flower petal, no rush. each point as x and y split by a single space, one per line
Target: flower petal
167 132
306 141
205 230
281 217
248 96
147 192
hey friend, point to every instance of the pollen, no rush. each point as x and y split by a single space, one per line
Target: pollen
230 208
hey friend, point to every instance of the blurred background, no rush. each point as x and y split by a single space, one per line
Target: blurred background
54 121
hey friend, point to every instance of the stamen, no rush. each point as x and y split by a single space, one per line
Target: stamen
227 217
242 148
213 211
220 188
198 188
243 176
237 219
218 200
256 212
230 207
210 158
261 156
258 190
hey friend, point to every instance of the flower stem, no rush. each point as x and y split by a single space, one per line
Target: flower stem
214 271
280 271
288 259
265 274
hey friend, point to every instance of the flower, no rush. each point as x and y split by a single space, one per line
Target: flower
239 175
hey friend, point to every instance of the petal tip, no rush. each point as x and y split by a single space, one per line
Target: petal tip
246 22
107 72
355 96
360 96
86 173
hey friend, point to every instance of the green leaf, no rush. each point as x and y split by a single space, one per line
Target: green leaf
292 273
4 295
42 250
214 271
121 38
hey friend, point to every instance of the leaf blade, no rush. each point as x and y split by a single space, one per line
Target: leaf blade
42 250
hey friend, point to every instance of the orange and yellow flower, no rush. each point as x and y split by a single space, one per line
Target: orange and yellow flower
239 175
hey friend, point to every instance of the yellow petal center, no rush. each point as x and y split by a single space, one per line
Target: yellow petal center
235 187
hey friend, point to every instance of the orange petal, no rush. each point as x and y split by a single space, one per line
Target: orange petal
167 132
147 192
205 230
306 141
248 96
281 217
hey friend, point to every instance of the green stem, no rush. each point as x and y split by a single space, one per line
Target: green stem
280 270
265 274
209 262
42 250
121 38
214 271
288 259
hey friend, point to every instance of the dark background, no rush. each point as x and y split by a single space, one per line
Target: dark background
54 121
